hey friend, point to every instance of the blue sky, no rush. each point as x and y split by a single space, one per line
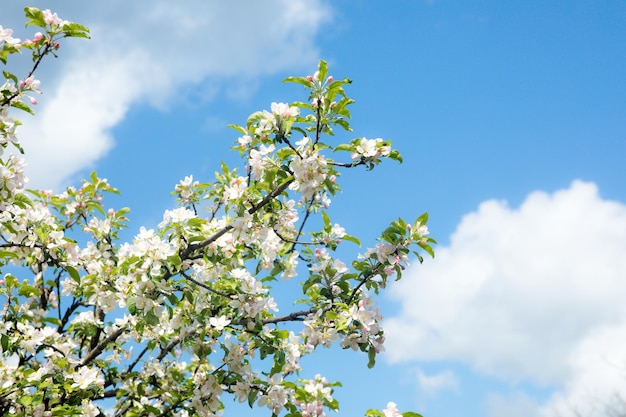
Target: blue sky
511 117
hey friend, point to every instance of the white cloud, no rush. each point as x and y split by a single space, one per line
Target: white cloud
518 404
435 383
152 52
598 379
534 293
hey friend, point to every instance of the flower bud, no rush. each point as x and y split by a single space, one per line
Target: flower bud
329 79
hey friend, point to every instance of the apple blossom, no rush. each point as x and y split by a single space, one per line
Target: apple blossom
183 318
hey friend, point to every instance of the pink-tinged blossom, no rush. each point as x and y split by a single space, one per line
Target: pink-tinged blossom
178 215
303 143
218 323
309 173
241 391
86 317
89 409
338 231
291 265
244 140
52 19
258 160
391 410
185 187
270 245
6 36
271 304
235 189
31 84
371 149
86 377
283 110
322 199
340 267
276 396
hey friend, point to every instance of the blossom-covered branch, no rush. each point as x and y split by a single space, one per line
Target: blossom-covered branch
170 323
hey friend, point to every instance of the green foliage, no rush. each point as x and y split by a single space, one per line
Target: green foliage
172 322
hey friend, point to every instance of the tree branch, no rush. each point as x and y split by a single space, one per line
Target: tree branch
100 348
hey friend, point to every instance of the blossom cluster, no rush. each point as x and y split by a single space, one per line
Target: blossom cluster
172 322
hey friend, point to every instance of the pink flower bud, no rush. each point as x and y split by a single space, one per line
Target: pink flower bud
309 78
38 37
329 79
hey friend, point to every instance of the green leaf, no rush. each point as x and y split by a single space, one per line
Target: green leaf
25 400
173 299
132 305
281 334
411 414
395 155
371 356
10 76
352 239
298 80
152 319
27 291
344 124
251 398
34 16
22 106
8 254
344 147
73 273
326 218
255 117
76 30
238 128
22 201
4 341
279 362
52 320
323 69
77 34
421 220
428 249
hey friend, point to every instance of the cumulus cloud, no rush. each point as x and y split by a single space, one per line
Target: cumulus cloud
534 293
518 404
154 52
435 383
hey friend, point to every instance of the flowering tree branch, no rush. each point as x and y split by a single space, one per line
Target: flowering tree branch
168 323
